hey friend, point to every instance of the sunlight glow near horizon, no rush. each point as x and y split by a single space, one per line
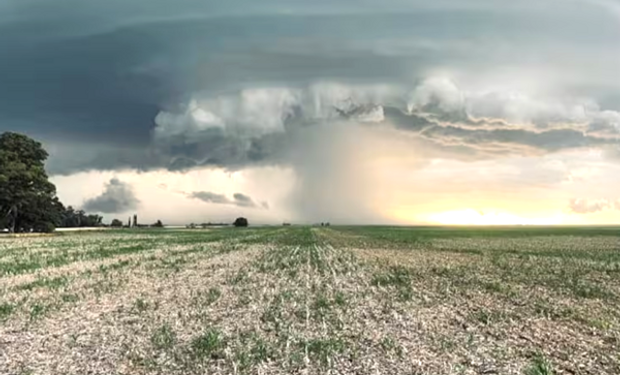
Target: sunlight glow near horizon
473 217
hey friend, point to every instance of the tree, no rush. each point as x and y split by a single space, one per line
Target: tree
73 219
27 199
241 222
116 223
158 224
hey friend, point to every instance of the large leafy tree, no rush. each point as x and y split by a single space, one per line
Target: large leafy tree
27 198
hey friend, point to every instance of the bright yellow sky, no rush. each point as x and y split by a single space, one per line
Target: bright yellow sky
508 192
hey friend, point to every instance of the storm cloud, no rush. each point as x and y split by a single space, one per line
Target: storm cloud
150 85
243 200
238 199
209 197
240 81
117 197
265 126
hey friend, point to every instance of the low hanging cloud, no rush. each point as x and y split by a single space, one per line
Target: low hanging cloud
117 197
243 200
240 200
589 206
209 197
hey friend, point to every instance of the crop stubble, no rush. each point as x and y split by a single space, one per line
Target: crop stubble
309 300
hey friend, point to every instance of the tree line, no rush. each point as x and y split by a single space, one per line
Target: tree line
28 201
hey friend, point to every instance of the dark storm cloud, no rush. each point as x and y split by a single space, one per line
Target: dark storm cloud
189 143
117 197
209 197
513 140
92 79
108 86
243 200
239 199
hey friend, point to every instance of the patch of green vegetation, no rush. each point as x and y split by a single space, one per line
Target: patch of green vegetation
26 371
127 243
252 350
395 276
322 305
239 277
163 338
539 366
38 310
213 294
585 289
487 317
106 287
173 264
6 309
340 299
261 351
323 350
210 344
69 298
51 283
115 266
272 316
141 305
447 344
389 345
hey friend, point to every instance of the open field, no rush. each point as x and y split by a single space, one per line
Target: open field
341 300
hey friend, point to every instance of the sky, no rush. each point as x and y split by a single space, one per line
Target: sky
352 112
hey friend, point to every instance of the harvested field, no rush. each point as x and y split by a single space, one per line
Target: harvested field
312 301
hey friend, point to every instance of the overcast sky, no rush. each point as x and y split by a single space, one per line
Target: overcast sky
465 111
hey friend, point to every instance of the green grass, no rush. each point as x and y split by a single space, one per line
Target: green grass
38 310
209 345
539 366
163 338
323 350
141 305
126 243
6 309
52 283
213 295
398 277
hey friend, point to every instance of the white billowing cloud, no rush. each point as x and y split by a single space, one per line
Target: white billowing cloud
439 91
514 108
259 111
255 112
117 197
252 112
326 99
274 126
